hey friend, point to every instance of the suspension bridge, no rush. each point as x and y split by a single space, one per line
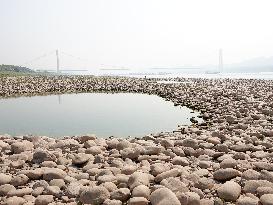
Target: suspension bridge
57 53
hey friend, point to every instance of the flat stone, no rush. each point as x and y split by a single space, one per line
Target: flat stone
121 194
247 201
19 180
94 195
20 192
183 161
174 184
266 199
53 173
141 191
225 174
138 201
5 188
44 199
5 179
15 201
41 155
229 191
18 147
164 196
171 173
138 178
252 185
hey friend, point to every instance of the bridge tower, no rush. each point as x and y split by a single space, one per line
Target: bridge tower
220 66
58 62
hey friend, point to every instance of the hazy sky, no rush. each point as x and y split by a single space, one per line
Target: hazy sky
134 33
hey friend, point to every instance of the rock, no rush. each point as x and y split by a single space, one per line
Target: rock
73 189
40 183
121 194
183 161
131 153
138 178
247 201
50 164
230 119
87 137
204 164
263 166
41 155
123 144
4 146
18 147
44 199
110 186
266 199
222 148
112 202
33 174
206 202
138 201
80 158
19 180
20 192
57 182
53 190
17 164
93 150
240 147
192 143
174 184
94 195
225 174
252 185
264 190
193 198
204 183
229 191
128 169
250 174
152 150
266 175
164 196
158 168
228 163
5 179
14 201
167 143
53 173
182 197
38 191
141 191
5 188
171 173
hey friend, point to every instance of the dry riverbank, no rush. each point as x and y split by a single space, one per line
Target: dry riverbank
225 160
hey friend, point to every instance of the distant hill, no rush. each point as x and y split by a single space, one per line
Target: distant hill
254 65
261 64
16 69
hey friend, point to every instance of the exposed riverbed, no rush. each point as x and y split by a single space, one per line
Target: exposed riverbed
224 160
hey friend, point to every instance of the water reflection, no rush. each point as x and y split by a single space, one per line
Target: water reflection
104 114
59 99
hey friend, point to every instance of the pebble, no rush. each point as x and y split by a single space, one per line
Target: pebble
229 191
94 195
164 196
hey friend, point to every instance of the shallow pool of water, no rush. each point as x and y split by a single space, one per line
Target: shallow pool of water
120 115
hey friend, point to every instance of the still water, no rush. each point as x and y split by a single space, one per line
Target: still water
120 115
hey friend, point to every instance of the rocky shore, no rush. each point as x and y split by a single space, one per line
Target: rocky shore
227 159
